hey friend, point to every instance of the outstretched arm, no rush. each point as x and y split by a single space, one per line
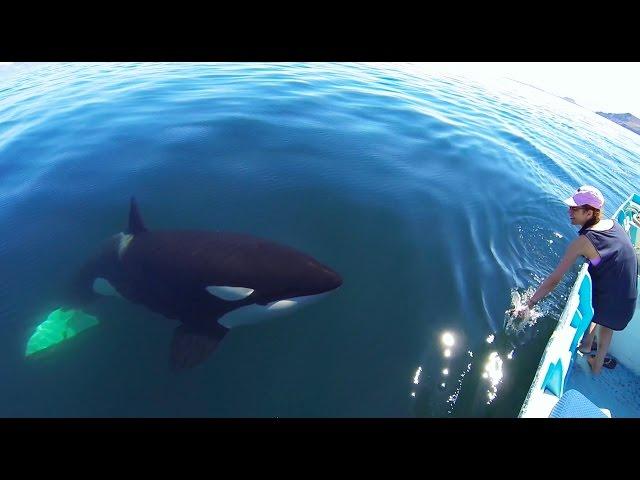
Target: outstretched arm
575 249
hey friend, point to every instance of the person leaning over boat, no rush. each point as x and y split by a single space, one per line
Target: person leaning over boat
612 266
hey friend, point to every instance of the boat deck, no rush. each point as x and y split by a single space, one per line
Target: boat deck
617 390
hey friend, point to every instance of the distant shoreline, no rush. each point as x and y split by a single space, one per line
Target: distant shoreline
626 120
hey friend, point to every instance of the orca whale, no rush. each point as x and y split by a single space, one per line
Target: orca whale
210 281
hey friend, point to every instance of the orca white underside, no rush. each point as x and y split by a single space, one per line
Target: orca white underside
252 314
248 315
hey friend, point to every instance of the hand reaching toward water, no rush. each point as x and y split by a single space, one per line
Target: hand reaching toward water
520 309
525 312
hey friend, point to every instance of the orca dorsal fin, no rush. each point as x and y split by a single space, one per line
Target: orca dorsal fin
136 225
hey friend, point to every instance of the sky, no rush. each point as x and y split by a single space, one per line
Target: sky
612 87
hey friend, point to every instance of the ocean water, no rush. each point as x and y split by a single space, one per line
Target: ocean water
434 195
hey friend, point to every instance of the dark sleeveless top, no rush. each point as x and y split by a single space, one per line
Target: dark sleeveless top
615 278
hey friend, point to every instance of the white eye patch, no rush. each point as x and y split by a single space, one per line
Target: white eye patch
230 294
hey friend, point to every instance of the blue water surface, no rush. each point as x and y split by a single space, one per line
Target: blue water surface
432 195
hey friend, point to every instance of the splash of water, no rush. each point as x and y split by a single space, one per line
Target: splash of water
520 317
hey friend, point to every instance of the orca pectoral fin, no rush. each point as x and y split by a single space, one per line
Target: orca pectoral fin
191 347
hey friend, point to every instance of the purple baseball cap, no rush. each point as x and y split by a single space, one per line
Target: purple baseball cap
586 195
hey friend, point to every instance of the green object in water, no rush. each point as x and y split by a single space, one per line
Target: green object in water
59 326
